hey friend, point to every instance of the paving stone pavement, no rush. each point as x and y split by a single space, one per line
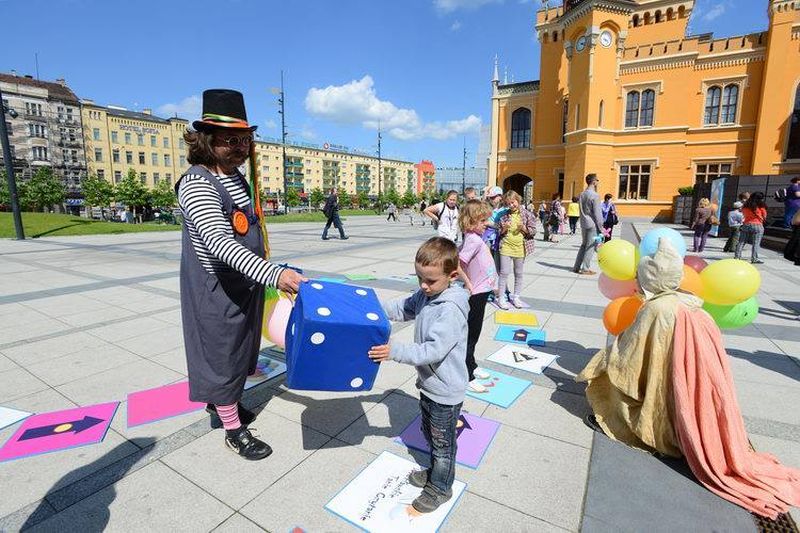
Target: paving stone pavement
90 319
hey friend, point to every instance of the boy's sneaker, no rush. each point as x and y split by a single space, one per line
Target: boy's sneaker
418 478
475 386
502 303
757 262
429 501
517 301
245 444
481 373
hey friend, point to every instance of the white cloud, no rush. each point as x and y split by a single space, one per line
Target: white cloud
270 124
448 6
716 11
189 108
306 132
455 26
356 102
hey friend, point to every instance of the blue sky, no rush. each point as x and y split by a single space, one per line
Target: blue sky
422 68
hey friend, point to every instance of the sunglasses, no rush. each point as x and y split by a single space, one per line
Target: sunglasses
236 141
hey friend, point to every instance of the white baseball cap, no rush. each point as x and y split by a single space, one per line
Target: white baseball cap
494 191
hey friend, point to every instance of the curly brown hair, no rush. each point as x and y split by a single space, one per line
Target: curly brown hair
200 148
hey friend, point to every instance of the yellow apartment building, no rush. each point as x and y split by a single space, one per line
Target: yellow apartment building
625 93
117 139
310 166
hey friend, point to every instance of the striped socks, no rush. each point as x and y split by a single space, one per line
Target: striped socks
229 414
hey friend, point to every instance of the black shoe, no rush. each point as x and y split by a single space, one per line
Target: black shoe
430 500
246 417
418 478
325 238
591 421
245 444
344 238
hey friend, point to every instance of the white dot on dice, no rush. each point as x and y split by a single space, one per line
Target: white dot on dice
372 316
361 292
317 286
317 338
324 311
357 382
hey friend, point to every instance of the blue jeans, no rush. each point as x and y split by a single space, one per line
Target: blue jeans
788 215
750 234
439 427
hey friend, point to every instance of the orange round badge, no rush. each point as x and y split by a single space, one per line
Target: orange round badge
240 223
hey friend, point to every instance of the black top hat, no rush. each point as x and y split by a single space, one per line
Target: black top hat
223 108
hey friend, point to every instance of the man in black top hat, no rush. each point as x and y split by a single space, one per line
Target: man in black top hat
224 267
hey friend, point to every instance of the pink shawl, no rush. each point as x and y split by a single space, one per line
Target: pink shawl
710 428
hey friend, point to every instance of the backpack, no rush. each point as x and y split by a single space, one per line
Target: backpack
780 195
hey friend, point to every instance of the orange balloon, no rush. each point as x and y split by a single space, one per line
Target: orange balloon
691 281
621 313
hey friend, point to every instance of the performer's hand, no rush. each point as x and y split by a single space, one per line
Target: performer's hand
379 353
289 281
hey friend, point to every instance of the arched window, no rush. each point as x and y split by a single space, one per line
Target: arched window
555 36
713 96
647 18
521 128
635 21
670 14
600 114
658 16
632 110
730 100
793 150
648 104
681 12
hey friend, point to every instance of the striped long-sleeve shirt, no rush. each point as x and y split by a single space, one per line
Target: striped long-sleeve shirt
210 231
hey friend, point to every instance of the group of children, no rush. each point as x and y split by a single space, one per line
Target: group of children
495 232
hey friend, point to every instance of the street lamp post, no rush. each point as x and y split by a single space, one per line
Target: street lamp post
12 183
283 149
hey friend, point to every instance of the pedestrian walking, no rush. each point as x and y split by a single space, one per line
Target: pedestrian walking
573 213
591 225
791 201
331 212
392 211
544 215
445 216
792 250
224 268
554 218
480 279
755 215
517 229
735 221
702 224
610 218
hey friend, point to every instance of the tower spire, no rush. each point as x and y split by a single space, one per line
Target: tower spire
495 76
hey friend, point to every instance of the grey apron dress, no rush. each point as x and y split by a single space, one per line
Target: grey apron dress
222 313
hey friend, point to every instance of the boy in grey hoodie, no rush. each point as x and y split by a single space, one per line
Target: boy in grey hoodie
439 353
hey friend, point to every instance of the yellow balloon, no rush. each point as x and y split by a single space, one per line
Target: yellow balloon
729 282
618 259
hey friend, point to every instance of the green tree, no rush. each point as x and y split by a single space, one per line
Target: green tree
344 198
363 199
131 191
163 195
5 196
292 197
393 197
317 197
97 193
42 190
380 201
409 198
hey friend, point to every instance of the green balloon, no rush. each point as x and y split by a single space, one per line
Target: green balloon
733 316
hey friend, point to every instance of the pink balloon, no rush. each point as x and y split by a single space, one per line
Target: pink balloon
613 289
279 320
695 262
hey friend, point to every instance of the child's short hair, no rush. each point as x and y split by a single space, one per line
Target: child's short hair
469 190
438 251
450 193
512 195
473 212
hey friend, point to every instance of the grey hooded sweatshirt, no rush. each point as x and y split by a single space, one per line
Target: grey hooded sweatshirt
439 350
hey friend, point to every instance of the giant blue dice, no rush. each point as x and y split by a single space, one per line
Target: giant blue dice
330 331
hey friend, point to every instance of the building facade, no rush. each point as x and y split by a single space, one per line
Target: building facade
452 178
311 166
47 129
426 177
117 140
625 93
